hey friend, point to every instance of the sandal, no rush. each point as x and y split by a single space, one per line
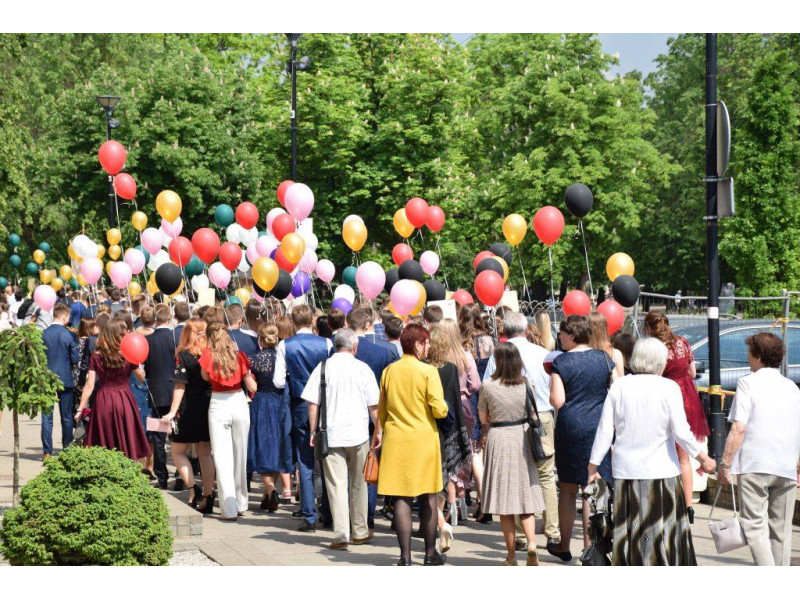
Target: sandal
533 556
509 562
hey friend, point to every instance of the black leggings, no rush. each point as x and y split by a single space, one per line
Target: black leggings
428 521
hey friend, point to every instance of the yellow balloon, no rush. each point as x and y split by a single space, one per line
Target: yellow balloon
114 252
65 271
38 257
81 280
401 223
514 228
265 273
293 246
46 276
56 284
423 298
619 264
502 264
71 252
113 236
244 295
178 291
152 287
134 288
101 251
139 220
394 312
168 205
355 235
109 264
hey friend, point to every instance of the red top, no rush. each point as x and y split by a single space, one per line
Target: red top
232 383
679 362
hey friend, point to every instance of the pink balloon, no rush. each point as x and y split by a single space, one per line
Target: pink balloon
134 258
405 296
45 297
92 269
325 270
309 262
429 261
370 279
218 275
121 274
252 254
272 215
299 200
265 245
151 240
173 229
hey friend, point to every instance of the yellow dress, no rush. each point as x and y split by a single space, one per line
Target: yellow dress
411 457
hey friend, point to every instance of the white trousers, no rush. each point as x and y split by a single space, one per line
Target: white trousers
766 505
229 425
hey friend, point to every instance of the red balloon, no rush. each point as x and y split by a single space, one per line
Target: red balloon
463 297
283 262
284 185
247 215
230 255
489 287
480 256
435 218
614 314
576 302
125 186
548 224
134 348
205 242
112 156
401 253
282 225
180 251
417 211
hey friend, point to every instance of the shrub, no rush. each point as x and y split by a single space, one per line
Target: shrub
90 506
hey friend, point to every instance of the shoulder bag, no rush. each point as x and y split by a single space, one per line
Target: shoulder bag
727 533
536 429
321 449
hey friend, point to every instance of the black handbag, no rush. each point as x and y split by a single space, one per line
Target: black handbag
321 449
536 428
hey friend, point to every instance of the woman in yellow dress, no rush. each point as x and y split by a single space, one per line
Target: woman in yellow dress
411 458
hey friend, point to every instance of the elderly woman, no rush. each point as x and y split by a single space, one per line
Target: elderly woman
645 413
763 448
411 459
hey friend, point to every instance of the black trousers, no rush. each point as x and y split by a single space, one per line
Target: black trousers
159 440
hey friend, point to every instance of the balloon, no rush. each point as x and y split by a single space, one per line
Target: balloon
301 285
4 282
349 218
200 282
46 276
114 252
548 224
139 220
293 246
243 294
435 290
223 215
157 259
38 256
109 264
417 212
489 287
194 267
614 314
205 243
514 229
31 268
112 156
349 276
172 228
503 251
429 261
125 186
346 292
325 270
247 215
14 240
101 251
168 278
405 296
480 256
283 225
120 275
135 260
310 239
45 297
392 277
401 253
619 264
113 236
283 287
463 297
579 200
370 279
434 218
299 201
355 235
251 253
491 264
342 304
234 233
626 290
84 247
283 262
265 273
91 270
423 297
168 205
144 251
44 247
180 251
243 265
151 240
281 192
74 285
411 269
65 271
15 260
151 286
308 263
576 302
272 215
134 348
401 223
265 245
134 289
230 255
503 265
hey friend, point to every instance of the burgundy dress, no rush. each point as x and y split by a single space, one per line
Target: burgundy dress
679 361
115 422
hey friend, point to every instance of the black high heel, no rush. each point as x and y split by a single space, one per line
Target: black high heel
198 493
208 507
690 512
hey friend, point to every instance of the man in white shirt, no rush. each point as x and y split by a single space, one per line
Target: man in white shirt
351 400
514 325
763 449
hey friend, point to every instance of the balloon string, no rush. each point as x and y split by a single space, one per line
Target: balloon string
422 238
493 318
439 252
552 288
586 254
126 291
524 280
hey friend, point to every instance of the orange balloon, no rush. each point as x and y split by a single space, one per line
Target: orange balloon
168 205
265 273
401 223
65 271
293 247
113 236
134 288
46 276
57 284
101 251
114 252
503 264
423 298
139 220
355 235
514 229
81 280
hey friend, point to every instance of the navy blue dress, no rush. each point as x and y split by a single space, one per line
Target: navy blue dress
586 376
268 446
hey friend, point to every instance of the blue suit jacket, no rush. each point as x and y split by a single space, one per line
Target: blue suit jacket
372 337
61 348
376 357
304 351
246 343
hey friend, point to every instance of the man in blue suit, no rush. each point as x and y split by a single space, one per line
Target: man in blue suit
247 343
159 366
371 333
61 348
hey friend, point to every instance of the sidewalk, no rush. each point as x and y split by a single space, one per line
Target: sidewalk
259 538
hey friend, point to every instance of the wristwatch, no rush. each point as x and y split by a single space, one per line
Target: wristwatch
722 465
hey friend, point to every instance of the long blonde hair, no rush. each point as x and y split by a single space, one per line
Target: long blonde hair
223 350
446 345
599 339
545 328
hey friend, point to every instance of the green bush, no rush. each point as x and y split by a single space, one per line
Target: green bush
90 506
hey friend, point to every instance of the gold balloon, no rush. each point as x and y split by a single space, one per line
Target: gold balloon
38 257
423 298
401 223
101 251
56 284
168 205
244 295
139 220
134 288
113 236
46 276
65 271
514 229
619 264
81 280
109 264
293 247
503 264
355 235
394 312
114 252
152 287
265 273
71 252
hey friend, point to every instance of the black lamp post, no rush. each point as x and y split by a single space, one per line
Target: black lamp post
109 103
294 66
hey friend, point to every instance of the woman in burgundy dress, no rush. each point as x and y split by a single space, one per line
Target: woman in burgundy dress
680 369
115 421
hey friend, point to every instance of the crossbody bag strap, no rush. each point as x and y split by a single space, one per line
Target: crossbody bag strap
322 423
733 496
529 403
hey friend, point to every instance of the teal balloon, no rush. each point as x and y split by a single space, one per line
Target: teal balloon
262 233
194 266
73 283
233 300
44 247
3 282
14 240
223 215
32 268
145 252
349 276
15 260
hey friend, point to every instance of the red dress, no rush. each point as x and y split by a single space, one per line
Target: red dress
115 422
679 361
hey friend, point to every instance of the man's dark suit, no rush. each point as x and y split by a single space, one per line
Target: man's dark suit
159 367
61 348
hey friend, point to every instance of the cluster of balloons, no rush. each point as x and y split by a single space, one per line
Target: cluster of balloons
624 287
491 274
417 214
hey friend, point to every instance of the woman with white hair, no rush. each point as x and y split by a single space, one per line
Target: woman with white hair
645 412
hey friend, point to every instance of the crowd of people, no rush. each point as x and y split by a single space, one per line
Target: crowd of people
481 406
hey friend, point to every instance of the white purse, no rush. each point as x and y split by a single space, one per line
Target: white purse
727 533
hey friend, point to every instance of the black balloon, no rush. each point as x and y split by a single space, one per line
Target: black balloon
283 287
411 269
503 251
259 291
579 200
489 264
435 290
168 278
626 290
392 277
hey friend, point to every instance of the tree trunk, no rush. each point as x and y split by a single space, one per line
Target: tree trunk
15 485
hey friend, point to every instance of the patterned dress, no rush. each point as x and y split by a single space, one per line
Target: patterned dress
268 444
679 361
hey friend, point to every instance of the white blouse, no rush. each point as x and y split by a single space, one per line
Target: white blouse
646 413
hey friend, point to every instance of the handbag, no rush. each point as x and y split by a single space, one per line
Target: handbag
321 449
371 467
727 533
536 429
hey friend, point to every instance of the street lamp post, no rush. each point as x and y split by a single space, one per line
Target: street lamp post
294 66
109 103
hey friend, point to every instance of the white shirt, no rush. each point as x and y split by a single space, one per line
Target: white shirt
351 389
533 370
646 413
769 405
279 377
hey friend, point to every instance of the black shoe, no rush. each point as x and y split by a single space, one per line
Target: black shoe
208 507
198 493
435 560
298 514
163 485
690 512
468 499
565 556
179 486
370 524
404 562
273 502
264 503
149 474
322 524
307 527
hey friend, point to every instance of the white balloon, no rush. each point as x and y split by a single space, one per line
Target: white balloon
200 282
165 238
344 291
156 260
244 266
84 247
352 218
248 236
310 239
234 233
